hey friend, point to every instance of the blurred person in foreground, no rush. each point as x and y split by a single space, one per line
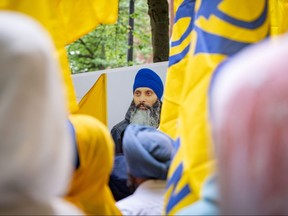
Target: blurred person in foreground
89 186
148 153
36 149
250 128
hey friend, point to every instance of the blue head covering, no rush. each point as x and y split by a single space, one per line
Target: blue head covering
147 151
146 77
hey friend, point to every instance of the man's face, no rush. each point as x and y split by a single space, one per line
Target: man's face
145 96
146 108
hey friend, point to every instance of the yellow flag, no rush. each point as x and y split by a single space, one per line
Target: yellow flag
220 29
79 17
66 20
179 47
278 16
94 103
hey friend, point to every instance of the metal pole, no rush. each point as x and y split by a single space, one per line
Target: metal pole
130 32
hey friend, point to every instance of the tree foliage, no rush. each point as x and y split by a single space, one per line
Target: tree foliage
107 45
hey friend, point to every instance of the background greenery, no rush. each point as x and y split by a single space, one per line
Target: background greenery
106 46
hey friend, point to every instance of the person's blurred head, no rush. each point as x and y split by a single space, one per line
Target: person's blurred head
249 113
148 153
35 146
89 185
147 93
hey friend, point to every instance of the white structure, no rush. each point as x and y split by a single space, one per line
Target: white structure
119 87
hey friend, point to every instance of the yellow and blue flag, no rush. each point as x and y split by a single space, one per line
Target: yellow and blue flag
220 28
179 48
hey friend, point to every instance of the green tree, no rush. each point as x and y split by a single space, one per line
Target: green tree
106 46
159 20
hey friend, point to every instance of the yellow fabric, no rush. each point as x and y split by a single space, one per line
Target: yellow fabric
213 38
278 16
175 77
66 20
89 187
94 103
81 16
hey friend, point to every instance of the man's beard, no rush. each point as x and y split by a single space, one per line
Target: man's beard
148 117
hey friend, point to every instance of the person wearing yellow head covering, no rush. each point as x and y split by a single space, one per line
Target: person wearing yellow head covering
89 187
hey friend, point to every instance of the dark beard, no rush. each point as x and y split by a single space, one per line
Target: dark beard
148 117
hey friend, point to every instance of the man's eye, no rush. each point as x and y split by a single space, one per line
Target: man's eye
149 93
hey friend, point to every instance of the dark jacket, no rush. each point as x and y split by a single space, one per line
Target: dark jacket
117 132
118 178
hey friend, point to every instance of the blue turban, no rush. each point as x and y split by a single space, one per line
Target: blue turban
146 77
148 152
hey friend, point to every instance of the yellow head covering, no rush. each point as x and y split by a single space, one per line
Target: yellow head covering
89 187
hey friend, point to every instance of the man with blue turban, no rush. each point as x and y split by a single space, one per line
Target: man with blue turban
144 110
145 107
148 154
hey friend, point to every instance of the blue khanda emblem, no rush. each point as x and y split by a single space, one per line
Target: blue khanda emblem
185 10
172 182
207 43
212 43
